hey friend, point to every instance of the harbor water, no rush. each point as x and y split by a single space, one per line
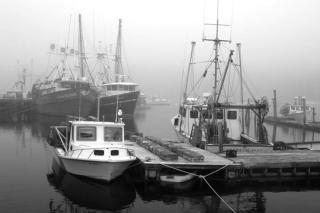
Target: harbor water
30 181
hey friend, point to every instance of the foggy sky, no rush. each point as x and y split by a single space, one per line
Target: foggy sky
280 39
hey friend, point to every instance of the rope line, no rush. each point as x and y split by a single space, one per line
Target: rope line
204 178
219 196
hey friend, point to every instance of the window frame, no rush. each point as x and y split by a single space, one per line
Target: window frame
86 139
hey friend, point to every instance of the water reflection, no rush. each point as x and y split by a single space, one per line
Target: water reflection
84 193
289 134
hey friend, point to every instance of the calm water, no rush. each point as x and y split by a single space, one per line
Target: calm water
31 182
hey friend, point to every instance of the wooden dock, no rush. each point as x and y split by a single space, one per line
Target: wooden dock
287 164
154 165
260 166
312 126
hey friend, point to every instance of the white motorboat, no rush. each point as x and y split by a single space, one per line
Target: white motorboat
92 148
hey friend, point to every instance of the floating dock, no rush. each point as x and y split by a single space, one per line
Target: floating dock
312 126
261 166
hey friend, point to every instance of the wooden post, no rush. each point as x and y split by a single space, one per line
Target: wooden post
220 137
313 115
304 110
275 114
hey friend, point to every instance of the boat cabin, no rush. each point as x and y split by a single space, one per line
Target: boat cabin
93 132
190 115
119 87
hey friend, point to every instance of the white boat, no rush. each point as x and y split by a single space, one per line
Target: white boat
296 110
92 149
215 120
176 178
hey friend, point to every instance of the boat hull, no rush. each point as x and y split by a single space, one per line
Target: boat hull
101 170
68 102
125 101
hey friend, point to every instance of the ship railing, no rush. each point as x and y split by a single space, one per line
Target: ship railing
61 136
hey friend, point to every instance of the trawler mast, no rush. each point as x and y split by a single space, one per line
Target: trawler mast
118 61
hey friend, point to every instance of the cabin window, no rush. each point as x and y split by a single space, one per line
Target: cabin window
131 88
206 114
126 87
98 152
114 152
114 87
220 114
86 133
109 87
232 115
113 134
121 87
292 107
193 114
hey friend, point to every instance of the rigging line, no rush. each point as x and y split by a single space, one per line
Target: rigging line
126 61
218 195
180 170
247 87
70 70
211 173
193 88
68 36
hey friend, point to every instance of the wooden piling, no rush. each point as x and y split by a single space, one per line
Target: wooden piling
275 114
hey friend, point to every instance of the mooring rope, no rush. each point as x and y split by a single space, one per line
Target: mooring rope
205 180
219 196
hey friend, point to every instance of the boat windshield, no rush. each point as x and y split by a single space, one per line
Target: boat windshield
113 134
86 133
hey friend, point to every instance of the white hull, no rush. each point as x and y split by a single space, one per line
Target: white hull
96 169
176 178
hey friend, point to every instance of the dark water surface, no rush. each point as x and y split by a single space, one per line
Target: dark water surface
30 181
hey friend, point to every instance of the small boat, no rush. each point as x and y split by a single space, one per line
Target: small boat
296 110
176 178
92 149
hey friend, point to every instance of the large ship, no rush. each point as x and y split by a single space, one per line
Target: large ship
117 91
64 92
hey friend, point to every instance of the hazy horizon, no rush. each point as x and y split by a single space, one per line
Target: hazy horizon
280 40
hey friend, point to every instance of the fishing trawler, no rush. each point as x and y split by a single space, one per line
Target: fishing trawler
16 102
117 92
64 92
92 149
214 124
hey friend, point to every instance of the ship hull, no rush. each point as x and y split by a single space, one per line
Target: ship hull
125 101
77 102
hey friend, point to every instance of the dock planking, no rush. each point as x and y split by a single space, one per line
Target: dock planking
148 158
288 158
275 165
258 166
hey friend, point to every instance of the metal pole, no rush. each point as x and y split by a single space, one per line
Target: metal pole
241 85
